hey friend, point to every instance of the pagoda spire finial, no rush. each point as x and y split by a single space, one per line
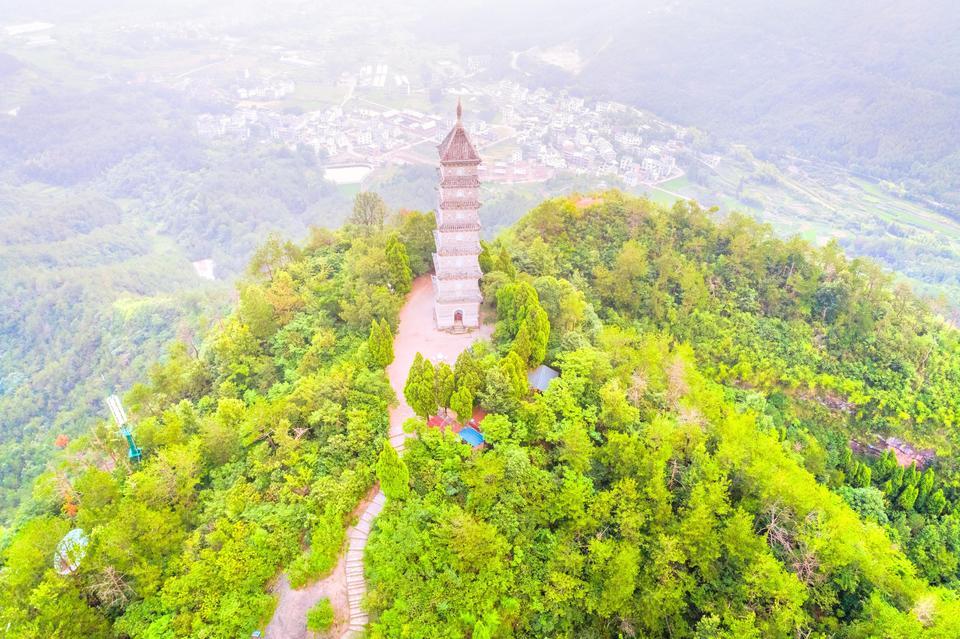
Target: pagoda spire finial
459 110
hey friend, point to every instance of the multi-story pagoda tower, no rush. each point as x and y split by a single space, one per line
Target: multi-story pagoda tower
456 263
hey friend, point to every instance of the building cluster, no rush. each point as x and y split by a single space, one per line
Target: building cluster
337 133
542 131
603 138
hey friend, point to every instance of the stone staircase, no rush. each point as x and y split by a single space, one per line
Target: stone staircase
356 583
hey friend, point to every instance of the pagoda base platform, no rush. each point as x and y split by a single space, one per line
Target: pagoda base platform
456 316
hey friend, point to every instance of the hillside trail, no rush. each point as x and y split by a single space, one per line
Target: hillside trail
346 586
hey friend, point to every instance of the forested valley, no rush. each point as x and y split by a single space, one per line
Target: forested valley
107 197
688 474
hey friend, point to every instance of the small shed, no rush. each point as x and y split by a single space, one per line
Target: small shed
540 377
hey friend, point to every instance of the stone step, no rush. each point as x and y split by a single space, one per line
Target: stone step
364 526
380 498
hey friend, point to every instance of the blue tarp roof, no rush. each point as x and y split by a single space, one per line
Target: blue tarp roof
541 376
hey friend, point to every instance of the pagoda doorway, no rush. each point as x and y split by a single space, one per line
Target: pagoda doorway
458 321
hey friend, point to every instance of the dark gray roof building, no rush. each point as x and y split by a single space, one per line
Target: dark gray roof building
540 377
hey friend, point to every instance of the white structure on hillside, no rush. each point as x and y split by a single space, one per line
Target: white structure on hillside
456 263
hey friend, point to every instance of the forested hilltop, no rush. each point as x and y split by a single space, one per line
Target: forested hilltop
687 475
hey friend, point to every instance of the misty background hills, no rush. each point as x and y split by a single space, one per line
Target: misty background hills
874 86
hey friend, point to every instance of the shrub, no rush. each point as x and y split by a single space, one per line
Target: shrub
320 617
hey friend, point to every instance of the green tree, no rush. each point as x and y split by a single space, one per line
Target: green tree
498 394
504 263
320 617
486 259
443 383
935 503
467 373
416 233
516 373
380 344
907 498
393 473
521 343
399 266
924 488
369 211
461 402
420 389
536 319
256 312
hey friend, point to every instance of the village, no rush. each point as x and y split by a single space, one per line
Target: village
533 134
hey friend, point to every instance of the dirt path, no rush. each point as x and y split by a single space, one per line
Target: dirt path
346 585
416 333
290 618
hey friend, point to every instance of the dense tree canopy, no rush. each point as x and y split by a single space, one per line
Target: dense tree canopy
688 474
257 444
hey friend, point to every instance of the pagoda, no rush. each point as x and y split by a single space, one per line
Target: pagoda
456 263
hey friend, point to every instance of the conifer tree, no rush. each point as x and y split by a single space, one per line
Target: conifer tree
504 263
935 503
911 477
539 327
380 344
467 372
864 475
896 482
399 264
387 334
420 391
461 402
521 343
443 384
515 371
907 498
924 489
487 262
413 378
392 472
886 465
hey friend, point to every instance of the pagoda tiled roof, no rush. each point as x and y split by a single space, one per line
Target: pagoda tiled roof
457 147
